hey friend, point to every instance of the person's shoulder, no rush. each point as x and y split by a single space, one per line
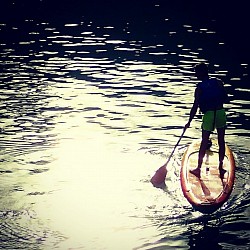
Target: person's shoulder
220 82
199 85
217 81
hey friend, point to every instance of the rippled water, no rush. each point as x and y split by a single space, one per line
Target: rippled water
89 110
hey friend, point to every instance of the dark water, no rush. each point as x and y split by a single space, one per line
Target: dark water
93 100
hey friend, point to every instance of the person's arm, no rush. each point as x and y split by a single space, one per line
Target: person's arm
194 107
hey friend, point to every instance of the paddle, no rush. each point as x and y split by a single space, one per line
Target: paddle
158 180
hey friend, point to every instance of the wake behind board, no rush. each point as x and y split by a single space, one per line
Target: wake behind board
210 192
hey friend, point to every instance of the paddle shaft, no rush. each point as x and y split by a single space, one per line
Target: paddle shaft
158 180
165 165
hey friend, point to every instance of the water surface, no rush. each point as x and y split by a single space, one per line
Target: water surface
90 108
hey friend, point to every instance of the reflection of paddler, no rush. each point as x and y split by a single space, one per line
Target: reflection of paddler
209 96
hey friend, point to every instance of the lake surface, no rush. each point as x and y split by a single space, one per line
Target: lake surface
91 105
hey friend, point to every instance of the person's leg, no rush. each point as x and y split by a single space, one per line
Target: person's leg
203 146
202 151
221 143
221 125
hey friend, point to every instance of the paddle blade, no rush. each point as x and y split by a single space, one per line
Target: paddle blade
159 177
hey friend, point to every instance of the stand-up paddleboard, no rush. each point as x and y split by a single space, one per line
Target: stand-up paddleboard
207 193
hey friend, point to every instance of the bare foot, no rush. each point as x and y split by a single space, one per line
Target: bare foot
196 172
222 172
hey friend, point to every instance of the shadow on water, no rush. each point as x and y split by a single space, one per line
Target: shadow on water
192 230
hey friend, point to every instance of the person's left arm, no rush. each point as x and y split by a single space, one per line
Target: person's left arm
194 107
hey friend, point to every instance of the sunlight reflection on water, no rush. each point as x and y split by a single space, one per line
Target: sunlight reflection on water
94 194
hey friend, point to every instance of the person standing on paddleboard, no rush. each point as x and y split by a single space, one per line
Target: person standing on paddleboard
209 96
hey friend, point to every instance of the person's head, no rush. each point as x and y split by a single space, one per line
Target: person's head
201 71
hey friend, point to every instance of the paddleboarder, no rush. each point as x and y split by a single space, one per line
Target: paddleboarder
209 97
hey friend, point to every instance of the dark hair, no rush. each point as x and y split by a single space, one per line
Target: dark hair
201 67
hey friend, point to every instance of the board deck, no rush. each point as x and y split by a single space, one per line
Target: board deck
210 192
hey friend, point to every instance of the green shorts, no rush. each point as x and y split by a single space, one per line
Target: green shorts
210 121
